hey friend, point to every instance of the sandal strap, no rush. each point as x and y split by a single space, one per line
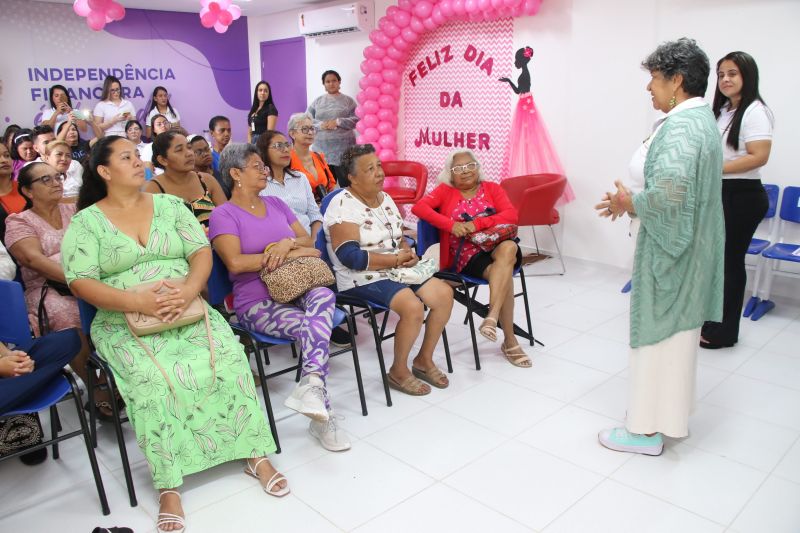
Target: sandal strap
276 478
160 494
410 383
254 469
169 518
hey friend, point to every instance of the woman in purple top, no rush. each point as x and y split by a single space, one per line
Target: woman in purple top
240 231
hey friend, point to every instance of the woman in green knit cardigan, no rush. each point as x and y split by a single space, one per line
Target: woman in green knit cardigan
678 265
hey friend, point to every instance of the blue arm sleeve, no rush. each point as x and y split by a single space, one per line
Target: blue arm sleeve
352 256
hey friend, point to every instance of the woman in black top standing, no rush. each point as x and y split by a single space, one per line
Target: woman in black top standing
263 114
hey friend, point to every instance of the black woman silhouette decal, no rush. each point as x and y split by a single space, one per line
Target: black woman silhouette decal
530 150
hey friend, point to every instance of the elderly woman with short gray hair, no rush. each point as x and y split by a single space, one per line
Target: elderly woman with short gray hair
462 204
678 266
251 232
313 164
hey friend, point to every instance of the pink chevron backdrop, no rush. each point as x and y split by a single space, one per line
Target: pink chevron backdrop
452 96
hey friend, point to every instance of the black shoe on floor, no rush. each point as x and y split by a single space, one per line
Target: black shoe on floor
34 458
715 345
340 338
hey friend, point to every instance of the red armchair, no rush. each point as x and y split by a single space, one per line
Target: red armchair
535 197
400 193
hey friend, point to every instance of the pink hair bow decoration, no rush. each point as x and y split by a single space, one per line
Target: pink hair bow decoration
218 14
528 51
98 12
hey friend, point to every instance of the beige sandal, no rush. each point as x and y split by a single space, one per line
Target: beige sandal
276 478
488 328
434 376
411 386
517 356
169 518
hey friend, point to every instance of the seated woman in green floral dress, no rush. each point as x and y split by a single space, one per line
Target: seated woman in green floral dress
190 411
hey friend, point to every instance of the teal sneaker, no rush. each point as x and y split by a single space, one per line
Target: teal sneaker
622 440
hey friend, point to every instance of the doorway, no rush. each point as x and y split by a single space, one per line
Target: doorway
283 66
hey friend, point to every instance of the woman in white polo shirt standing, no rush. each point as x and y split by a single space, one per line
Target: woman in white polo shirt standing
745 123
112 112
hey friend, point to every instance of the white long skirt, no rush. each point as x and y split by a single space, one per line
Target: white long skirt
662 385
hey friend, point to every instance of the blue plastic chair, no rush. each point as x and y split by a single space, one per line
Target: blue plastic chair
14 328
759 245
368 309
97 364
428 235
219 287
781 251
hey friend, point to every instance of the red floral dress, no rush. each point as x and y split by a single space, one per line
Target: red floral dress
473 207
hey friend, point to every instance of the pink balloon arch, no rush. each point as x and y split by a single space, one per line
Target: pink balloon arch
98 12
384 59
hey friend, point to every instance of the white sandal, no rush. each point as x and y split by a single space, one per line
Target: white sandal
276 478
169 518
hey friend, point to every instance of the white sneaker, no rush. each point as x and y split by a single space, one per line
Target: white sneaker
308 398
329 435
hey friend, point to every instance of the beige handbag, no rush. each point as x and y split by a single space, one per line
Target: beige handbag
141 324
296 277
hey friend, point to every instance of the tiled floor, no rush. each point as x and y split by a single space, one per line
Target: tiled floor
501 450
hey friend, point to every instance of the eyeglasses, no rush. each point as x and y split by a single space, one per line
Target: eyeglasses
50 180
202 151
283 147
463 169
133 129
308 130
258 167
115 90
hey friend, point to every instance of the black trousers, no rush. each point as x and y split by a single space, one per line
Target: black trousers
744 203
50 354
340 173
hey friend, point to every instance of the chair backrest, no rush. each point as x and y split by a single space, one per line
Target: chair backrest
408 169
14 326
790 205
427 236
326 200
772 194
87 312
321 243
219 284
535 197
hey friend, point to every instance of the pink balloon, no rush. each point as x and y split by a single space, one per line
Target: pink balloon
409 35
531 7
213 7
388 62
387 155
437 15
387 141
517 10
471 6
390 75
389 28
361 97
385 127
224 4
360 127
447 8
370 107
406 5
497 4
374 52
99 5
203 12
209 19
423 9
458 7
81 8
370 121
225 18
395 53
371 135
386 88
430 24
235 11
116 11
401 44
374 79
511 3
386 115
109 19
96 20
360 113
386 102
402 18
379 38
363 83
485 5
220 27
372 93
417 25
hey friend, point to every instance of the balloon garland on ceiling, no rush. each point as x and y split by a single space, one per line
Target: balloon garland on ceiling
397 31
218 14
98 12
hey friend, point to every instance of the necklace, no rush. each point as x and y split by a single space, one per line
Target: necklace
374 210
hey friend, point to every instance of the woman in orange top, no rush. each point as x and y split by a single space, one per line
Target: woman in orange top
312 164
11 201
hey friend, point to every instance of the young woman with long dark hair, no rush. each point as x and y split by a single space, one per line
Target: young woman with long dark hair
745 123
161 106
263 114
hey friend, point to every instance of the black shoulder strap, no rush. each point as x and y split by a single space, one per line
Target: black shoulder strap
159 186
327 169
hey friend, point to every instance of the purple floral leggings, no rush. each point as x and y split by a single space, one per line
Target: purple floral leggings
307 319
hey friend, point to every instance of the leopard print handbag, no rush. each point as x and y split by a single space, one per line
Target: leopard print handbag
296 277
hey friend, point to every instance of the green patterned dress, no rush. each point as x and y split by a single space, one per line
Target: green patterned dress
190 430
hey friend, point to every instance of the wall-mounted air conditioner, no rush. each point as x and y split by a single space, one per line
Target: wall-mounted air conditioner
345 18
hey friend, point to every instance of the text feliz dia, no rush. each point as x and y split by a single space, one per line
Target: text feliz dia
445 55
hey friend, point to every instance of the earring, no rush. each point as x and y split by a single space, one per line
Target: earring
239 183
673 102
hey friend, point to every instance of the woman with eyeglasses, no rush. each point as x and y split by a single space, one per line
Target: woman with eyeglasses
462 204
263 114
11 201
364 231
313 164
199 192
22 150
289 185
113 111
252 232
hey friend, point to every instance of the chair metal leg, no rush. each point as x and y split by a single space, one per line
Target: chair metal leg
55 427
558 249
354 348
535 240
267 403
374 323
299 364
355 325
123 449
98 480
531 338
90 385
447 351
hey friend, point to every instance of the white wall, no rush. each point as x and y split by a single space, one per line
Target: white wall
591 91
